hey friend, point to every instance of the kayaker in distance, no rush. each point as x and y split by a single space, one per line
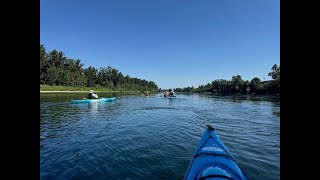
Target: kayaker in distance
165 94
171 92
92 95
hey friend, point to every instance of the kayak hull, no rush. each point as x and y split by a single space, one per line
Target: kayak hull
171 97
212 160
93 100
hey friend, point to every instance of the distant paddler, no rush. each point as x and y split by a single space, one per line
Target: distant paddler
171 92
92 95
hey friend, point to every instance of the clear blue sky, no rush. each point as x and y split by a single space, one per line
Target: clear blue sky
175 43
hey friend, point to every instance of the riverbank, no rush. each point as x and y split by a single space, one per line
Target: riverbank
87 91
65 91
77 89
68 89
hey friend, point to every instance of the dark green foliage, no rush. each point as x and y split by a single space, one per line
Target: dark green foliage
56 69
255 86
275 74
187 89
237 85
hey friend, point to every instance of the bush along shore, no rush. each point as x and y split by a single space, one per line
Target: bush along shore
239 86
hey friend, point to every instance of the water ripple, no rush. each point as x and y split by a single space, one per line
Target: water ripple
138 137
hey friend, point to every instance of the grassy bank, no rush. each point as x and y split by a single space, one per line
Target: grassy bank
48 88
66 89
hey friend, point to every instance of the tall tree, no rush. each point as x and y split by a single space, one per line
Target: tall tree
255 85
236 83
275 73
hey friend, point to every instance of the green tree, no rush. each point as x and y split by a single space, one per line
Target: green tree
43 64
246 87
274 86
91 74
255 85
236 84
275 73
56 69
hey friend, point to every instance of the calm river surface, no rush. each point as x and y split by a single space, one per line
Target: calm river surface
138 137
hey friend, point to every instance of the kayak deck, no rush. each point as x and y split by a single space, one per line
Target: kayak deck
93 100
212 160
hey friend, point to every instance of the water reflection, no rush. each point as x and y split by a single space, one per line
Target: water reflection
93 107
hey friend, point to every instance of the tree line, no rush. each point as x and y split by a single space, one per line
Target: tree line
238 85
58 70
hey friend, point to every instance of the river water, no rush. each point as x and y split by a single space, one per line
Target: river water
139 137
